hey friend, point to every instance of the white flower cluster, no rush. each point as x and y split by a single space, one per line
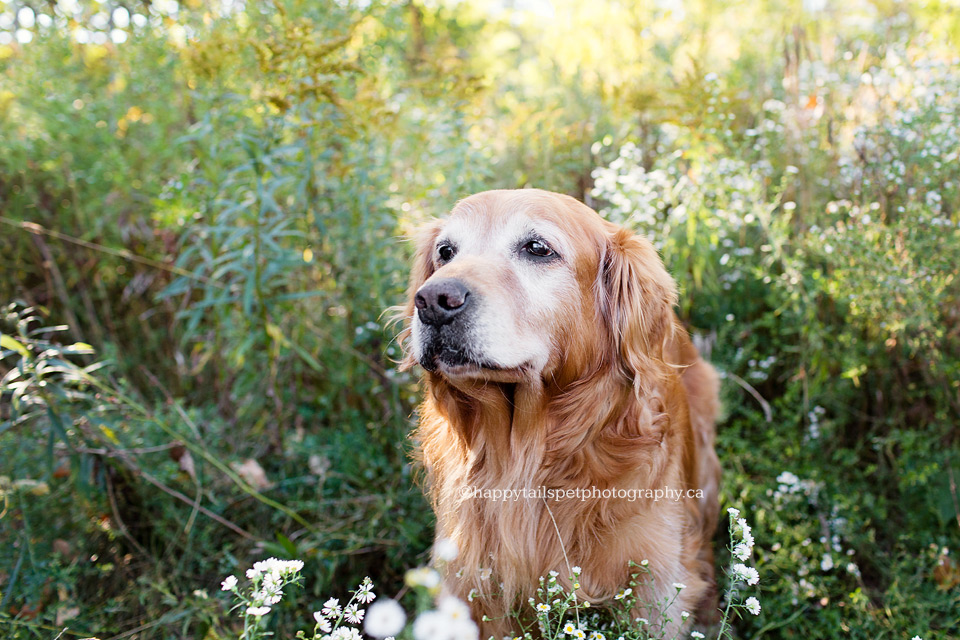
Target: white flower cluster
741 539
449 621
268 578
331 616
662 198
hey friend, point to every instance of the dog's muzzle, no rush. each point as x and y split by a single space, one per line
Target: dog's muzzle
442 307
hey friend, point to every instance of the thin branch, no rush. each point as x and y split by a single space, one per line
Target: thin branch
186 499
39 230
767 411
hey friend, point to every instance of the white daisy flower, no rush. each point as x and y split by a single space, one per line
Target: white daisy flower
576 571
623 594
365 592
543 607
679 586
746 574
446 550
430 625
752 605
696 634
453 608
258 611
385 618
228 583
322 623
331 607
353 614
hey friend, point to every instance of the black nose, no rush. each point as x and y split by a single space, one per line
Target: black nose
440 301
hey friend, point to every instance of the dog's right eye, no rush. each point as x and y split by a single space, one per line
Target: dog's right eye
446 252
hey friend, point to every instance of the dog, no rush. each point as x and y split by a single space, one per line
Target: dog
553 361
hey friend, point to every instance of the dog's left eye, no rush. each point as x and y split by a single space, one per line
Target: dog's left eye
538 248
446 252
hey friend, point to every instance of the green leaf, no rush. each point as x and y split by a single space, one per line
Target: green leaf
7 342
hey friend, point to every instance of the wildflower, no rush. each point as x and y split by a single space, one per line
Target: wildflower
752 605
679 586
741 551
576 571
346 633
569 629
642 621
279 568
258 611
353 613
323 624
684 615
423 577
596 635
430 625
331 607
485 573
543 607
385 618
464 630
365 592
745 573
579 634
827 562
446 550
268 597
453 608
734 512
623 594
696 634
228 583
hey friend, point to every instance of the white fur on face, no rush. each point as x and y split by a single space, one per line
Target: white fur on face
512 323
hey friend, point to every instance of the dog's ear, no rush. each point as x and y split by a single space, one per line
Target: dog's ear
639 296
423 267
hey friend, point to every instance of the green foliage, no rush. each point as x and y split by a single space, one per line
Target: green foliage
212 198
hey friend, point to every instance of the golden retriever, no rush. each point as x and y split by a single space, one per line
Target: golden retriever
554 362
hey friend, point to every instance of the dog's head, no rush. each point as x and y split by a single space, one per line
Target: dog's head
528 284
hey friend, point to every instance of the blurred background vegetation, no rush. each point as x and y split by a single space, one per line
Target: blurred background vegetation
201 207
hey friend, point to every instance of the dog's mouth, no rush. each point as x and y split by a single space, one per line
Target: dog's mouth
452 360
444 356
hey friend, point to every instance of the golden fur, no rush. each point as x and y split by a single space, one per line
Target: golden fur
622 401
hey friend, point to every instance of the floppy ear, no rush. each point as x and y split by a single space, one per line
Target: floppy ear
639 296
424 240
